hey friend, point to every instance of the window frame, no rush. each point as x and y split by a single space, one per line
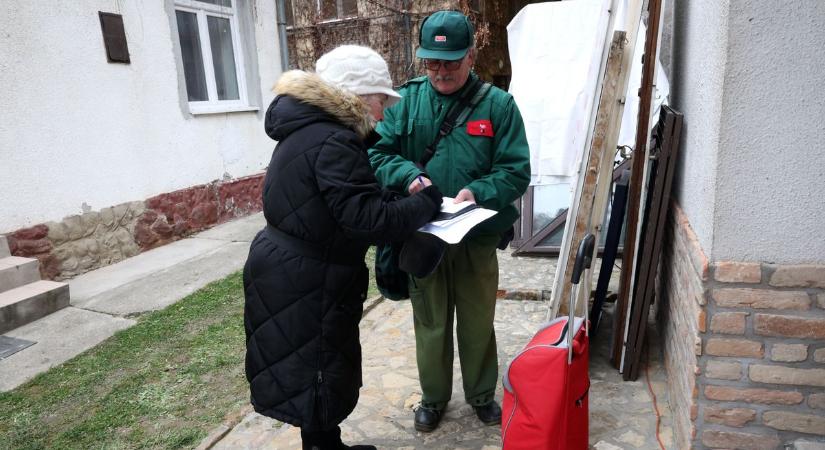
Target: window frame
339 11
214 105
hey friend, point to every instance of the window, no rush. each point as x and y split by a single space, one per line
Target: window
288 14
337 9
212 55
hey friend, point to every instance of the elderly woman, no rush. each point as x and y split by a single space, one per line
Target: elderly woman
305 279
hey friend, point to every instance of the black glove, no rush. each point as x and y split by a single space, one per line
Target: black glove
434 194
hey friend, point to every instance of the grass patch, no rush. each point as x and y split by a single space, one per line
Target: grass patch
164 383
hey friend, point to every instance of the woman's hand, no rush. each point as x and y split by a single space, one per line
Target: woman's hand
418 184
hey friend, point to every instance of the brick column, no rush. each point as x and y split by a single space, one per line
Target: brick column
759 347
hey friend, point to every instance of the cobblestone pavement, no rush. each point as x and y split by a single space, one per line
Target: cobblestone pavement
621 413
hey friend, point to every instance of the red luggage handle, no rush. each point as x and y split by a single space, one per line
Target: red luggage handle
584 258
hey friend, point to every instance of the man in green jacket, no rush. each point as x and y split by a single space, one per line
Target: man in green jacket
485 160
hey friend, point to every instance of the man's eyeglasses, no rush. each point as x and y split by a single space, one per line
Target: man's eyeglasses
435 64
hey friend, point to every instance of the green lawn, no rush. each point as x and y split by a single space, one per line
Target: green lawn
164 383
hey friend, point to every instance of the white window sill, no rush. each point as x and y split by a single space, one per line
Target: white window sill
199 109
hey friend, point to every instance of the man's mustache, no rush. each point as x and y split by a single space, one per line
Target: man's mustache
443 78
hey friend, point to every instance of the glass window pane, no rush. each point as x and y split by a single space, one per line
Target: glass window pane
223 58
190 47
329 9
227 3
290 16
549 201
350 8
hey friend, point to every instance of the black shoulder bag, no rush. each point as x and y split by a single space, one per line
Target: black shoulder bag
392 281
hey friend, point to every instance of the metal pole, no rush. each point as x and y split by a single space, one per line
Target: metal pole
408 35
282 39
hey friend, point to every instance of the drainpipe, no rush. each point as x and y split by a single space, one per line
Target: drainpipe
408 38
282 42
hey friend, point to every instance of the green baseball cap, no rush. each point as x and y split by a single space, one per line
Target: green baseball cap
445 35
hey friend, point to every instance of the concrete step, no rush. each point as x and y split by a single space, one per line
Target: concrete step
4 247
28 303
16 271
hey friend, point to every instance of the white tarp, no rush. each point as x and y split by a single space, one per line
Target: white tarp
556 50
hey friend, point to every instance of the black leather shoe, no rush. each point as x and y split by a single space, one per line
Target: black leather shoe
489 413
426 419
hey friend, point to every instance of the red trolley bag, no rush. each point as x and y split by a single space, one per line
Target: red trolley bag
545 386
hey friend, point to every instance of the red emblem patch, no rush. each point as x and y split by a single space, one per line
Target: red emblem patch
480 128
441 38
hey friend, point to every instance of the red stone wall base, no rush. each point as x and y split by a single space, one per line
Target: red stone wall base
139 227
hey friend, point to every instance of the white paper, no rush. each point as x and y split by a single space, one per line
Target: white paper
453 230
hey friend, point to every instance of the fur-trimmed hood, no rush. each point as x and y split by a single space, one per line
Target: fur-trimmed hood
309 89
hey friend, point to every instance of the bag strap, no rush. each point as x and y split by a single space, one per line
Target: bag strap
459 112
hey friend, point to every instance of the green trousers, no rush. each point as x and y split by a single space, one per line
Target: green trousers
463 286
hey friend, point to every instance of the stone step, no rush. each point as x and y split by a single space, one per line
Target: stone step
4 247
28 303
16 271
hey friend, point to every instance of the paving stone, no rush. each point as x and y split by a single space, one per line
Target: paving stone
621 413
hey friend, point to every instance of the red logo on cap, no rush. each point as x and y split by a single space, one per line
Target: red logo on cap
441 38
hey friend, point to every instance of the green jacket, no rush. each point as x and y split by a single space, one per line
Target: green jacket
495 168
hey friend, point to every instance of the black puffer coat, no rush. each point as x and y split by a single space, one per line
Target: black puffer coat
301 315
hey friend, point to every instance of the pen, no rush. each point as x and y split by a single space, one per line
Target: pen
421 180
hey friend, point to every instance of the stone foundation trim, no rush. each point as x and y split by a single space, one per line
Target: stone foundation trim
806 276
761 299
732 417
790 421
786 375
739 440
753 395
737 272
789 326
94 239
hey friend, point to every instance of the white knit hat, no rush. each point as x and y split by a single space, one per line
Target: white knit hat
357 69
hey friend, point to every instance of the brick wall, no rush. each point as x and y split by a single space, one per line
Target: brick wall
756 376
682 318
80 243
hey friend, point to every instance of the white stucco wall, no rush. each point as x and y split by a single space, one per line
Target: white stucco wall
699 56
78 132
770 195
748 76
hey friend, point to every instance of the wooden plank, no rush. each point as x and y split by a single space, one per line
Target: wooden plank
658 167
671 150
609 106
561 284
636 179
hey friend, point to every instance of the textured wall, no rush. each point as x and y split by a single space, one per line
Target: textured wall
80 134
744 347
680 306
83 242
747 75
698 61
771 165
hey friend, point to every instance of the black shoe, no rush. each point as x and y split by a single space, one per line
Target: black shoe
489 413
426 419
328 440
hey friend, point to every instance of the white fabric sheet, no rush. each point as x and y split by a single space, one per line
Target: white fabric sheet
555 51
